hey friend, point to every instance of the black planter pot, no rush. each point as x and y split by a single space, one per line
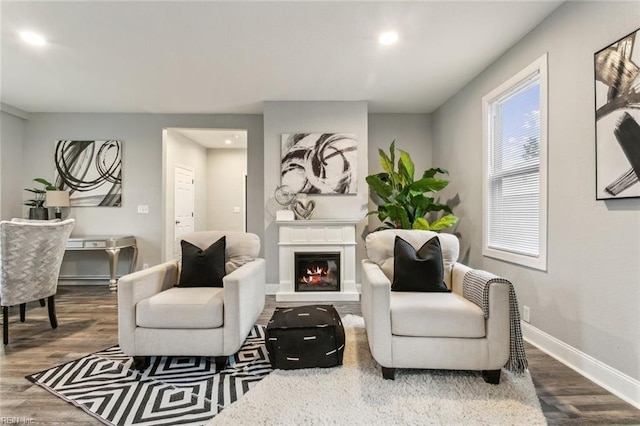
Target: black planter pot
39 213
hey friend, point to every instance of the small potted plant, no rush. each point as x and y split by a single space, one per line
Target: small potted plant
36 204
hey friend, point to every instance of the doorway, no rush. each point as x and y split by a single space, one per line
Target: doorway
215 162
184 200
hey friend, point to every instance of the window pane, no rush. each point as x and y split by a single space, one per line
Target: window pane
513 174
516 130
514 214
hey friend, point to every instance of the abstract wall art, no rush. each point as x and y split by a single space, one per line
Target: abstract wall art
617 96
91 171
320 163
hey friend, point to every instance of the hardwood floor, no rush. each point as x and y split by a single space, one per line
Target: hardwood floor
87 317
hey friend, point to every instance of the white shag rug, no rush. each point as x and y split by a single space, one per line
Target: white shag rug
356 394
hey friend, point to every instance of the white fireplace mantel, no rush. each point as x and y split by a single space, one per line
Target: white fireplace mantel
334 235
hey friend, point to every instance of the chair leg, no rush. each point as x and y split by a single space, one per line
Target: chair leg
491 376
23 310
42 302
52 311
141 363
388 373
5 325
221 363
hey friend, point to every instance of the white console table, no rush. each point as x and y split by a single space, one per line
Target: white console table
109 243
336 235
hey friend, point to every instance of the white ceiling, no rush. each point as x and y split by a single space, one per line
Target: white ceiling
228 57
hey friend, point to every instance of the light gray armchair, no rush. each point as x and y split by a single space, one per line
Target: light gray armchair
31 254
157 318
431 330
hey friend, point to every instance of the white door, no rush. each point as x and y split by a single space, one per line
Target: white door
184 201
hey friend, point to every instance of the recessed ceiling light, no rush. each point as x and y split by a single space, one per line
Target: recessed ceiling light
33 38
228 142
388 38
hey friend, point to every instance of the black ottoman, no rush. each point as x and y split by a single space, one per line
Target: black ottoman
305 337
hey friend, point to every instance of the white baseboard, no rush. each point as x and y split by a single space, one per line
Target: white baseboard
272 288
616 382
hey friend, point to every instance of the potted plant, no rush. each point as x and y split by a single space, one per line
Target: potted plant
36 204
404 202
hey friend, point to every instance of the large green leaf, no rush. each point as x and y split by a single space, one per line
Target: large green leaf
392 152
385 162
406 167
383 214
429 185
422 204
444 222
399 216
421 223
383 189
432 172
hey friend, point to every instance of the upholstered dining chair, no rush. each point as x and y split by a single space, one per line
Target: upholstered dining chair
31 254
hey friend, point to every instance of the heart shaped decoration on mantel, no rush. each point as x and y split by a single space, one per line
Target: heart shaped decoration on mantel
302 210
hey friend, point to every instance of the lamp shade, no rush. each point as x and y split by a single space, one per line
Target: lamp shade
57 199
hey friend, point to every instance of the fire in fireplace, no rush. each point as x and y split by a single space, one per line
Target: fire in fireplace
317 271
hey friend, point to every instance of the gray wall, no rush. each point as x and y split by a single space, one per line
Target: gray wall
142 167
143 175
225 177
12 194
588 298
313 117
412 133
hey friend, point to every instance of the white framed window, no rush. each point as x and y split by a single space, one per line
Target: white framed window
515 168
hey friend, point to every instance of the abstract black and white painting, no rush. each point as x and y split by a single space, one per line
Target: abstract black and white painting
320 163
617 93
91 171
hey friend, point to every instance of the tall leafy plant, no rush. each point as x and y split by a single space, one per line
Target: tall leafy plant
404 201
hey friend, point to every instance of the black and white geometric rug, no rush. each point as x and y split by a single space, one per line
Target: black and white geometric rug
172 390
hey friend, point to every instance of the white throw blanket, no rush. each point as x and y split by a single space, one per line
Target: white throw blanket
475 287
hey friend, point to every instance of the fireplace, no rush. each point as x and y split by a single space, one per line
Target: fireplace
336 237
315 271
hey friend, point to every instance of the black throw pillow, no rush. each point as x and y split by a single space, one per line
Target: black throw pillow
202 268
418 271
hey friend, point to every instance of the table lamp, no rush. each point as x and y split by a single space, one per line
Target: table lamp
57 199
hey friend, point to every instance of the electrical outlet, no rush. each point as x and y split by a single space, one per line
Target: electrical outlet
236 209
143 209
145 266
526 314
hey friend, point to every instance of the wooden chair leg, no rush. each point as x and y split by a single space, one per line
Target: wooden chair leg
52 312
221 363
42 303
141 363
388 373
491 376
23 310
5 325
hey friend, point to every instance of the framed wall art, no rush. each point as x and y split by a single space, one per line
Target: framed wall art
91 171
319 163
617 108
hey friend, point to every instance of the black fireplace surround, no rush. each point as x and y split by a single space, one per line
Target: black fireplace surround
316 271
